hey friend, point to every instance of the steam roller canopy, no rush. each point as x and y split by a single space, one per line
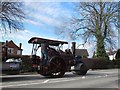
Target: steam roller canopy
36 40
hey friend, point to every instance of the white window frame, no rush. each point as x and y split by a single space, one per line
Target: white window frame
10 50
18 52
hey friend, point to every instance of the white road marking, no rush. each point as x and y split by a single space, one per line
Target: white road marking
62 80
106 75
98 76
83 77
45 81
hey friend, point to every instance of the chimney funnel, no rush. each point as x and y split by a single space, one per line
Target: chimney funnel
73 48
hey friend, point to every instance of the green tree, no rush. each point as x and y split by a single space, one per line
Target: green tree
96 21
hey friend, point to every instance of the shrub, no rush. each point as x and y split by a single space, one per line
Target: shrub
117 63
26 63
100 63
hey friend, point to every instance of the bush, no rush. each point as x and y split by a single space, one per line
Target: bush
26 63
100 63
116 63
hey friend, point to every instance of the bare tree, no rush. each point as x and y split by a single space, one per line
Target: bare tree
11 16
98 22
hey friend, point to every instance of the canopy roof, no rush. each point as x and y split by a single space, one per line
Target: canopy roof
37 40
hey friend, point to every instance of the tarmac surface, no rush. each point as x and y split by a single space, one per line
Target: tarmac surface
93 79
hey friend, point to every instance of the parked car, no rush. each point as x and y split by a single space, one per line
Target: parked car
12 66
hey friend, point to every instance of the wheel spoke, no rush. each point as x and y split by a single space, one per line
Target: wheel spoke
56 67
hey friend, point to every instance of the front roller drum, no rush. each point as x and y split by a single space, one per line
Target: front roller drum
80 69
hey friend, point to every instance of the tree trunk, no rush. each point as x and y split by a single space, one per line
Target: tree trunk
101 48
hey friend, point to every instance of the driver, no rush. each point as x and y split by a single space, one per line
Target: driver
44 53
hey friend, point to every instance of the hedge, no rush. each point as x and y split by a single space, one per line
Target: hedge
117 63
103 64
26 63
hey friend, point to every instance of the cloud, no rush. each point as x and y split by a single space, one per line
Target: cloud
33 22
66 0
22 35
42 13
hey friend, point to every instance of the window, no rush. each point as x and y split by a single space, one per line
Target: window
10 50
18 52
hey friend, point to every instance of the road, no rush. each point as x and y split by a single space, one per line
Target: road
93 79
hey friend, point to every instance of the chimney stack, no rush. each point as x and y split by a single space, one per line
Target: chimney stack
20 45
6 41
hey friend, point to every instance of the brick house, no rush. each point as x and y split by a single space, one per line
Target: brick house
111 54
10 49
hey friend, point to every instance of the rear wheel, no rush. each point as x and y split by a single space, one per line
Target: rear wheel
57 67
43 70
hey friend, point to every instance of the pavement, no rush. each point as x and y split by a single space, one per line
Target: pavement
25 73
93 79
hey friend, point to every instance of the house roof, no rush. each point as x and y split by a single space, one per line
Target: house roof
81 52
111 52
10 44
